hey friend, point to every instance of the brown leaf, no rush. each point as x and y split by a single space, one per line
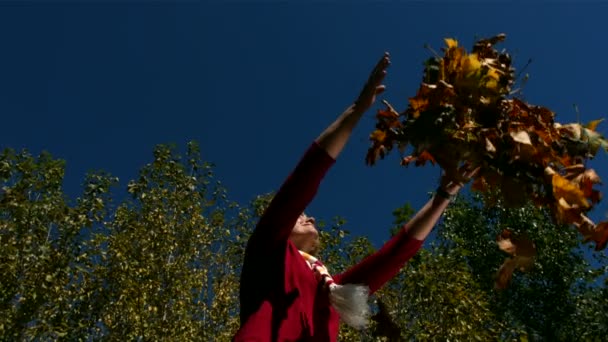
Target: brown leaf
592 232
519 245
600 235
523 252
505 273
479 184
424 157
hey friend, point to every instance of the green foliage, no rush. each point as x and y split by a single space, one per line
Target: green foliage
543 304
163 264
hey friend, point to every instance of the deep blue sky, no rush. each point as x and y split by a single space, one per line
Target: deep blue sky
99 85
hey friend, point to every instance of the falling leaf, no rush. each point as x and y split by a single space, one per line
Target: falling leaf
505 273
522 251
600 235
565 189
592 232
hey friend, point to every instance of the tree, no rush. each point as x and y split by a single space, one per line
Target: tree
543 303
157 266
164 263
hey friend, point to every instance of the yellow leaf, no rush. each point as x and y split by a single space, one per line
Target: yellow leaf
378 136
493 73
451 43
491 84
563 188
471 64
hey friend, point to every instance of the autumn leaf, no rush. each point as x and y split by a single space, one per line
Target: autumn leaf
424 157
505 273
419 159
465 111
592 125
489 146
378 136
451 43
522 251
592 232
471 65
600 235
565 189
521 137
418 105
479 184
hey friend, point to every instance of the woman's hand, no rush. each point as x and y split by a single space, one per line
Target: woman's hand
334 138
453 180
373 86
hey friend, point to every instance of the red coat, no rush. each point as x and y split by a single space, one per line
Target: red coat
281 300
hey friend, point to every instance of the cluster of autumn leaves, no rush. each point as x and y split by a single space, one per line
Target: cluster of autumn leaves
465 111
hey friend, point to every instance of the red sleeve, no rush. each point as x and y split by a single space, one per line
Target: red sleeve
293 197
380 267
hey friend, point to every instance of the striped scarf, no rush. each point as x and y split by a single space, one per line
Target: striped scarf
349 300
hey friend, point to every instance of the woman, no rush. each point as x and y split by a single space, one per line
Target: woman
287 295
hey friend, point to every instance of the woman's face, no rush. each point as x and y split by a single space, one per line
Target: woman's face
304 234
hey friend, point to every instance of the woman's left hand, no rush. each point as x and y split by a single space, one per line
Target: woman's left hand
453 180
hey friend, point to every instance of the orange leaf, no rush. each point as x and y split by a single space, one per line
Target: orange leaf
566 213
387 114
592 232
418 105
593 124
424 157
